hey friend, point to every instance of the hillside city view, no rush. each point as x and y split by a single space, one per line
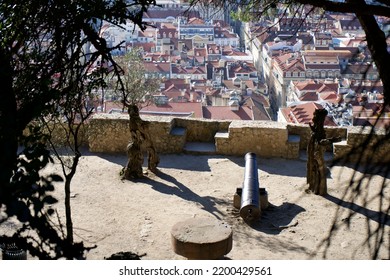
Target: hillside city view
281 68
195 130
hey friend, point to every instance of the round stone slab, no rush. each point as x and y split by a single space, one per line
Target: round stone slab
202 238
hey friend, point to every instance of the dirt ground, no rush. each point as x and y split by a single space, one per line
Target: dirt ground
122 216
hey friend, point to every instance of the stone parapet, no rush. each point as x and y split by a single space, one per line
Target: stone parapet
364 144
267 139
201 130
304 133
110 134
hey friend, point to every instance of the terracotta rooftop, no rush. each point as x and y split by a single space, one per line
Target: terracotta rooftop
160 67
331 97
258 104
303 113
199 52
223 33
243 67
322 66
325 53
157 57
311 85
146 47
230 84
191 109
178 69
213 49
309 96
289 62
230 51
226 113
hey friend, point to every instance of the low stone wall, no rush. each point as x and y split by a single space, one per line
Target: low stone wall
110 134
304 133
364 145
266 139
200 130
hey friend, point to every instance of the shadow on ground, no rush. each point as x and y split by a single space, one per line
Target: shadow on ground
207 203
375 216
275 219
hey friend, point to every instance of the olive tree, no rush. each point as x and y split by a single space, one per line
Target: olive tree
135 90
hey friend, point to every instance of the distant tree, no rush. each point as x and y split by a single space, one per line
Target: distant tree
42 43
133 88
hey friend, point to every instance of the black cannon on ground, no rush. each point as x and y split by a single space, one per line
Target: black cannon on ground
250 208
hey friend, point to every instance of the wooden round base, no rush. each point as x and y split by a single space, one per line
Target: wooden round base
202 239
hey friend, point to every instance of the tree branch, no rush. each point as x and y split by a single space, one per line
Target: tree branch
349 7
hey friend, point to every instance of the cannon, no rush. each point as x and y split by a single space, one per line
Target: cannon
250 198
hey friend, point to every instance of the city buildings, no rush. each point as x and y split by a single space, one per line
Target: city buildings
282 69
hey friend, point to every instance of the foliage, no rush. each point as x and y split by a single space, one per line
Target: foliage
45 57
135 90
133 86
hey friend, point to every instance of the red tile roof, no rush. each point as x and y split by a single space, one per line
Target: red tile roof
309 96
289 62
258 104
160 67
229 84
192 109
178 69
147 47
303 114
329 97
226 113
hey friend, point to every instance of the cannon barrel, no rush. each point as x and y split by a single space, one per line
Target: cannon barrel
250 198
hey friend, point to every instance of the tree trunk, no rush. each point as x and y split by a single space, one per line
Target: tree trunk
376 42
316 167
68 209
140 141
8 127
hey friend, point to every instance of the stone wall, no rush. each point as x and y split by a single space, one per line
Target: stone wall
304 133
199 130
110 134
363 145
267 139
